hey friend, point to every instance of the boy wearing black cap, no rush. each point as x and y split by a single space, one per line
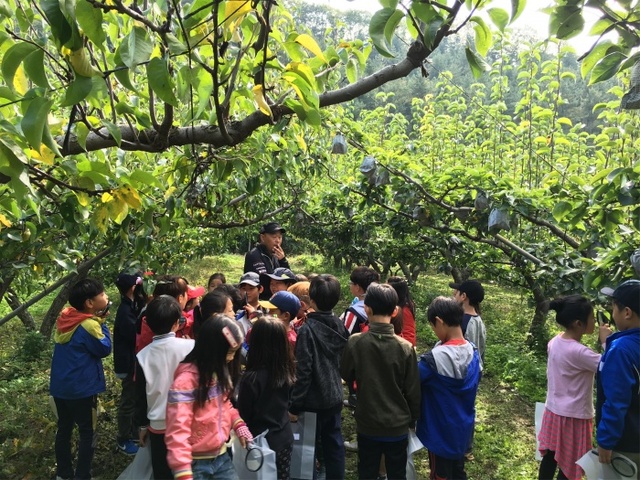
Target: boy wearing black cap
618 378
267 254
132 300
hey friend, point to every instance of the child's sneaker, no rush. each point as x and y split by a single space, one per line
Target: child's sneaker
128 447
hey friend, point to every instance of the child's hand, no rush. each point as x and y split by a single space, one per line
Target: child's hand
604 455
603 332
243 433
143 433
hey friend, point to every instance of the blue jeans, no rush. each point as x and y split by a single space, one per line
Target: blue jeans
75 412
219 468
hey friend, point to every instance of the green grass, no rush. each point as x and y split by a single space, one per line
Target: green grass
504 441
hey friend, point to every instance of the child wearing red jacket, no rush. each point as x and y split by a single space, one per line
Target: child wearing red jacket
199 411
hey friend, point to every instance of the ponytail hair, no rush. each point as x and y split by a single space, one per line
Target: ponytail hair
571 308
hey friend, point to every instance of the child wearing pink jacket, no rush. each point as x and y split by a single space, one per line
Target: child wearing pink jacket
199 411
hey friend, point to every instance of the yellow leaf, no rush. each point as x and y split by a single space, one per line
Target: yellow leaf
83 199
234 9
169 192
106 197
310 44
301 143
4 220
20 81
131 197
101 218
45 155
258 96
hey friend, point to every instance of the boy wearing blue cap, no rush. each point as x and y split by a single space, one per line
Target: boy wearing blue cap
618 378
284 306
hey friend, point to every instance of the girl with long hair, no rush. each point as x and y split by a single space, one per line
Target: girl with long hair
407 312
263 394
199 411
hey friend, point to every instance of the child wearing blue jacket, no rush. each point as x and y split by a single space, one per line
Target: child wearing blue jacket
618 379
449 377
82 340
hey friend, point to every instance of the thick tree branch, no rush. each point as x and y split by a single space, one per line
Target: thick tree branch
148 141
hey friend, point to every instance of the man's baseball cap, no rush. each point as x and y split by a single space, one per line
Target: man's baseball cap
125 280
250 278
283 301
473 289
282 274
272 227
194 292
627 294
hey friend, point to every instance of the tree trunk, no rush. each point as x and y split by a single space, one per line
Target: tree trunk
537 336
460 274
406 271
24 315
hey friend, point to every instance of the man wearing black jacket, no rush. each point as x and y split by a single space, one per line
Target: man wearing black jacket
267 255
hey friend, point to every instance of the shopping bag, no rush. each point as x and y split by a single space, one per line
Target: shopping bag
140 468
257 462
304 446
620 468
414 444
538 424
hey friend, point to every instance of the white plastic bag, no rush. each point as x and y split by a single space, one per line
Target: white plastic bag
538 424
621 468
140 468
267 471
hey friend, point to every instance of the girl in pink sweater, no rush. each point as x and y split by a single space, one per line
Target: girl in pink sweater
567 423
199 411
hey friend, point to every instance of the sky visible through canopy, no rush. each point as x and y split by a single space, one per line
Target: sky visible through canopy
532 18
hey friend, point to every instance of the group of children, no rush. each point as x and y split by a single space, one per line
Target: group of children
248 365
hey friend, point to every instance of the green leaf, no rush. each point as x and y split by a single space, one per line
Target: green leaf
483 35
12 60
60 27
352 71
34 68
114 131
595 55
607 67
560 210
90 20
135 48
160 81
566 21
77 91
381 27
499 17
517 7
389 3
35 120
476 62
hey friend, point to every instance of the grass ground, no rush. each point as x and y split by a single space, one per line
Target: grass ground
504 441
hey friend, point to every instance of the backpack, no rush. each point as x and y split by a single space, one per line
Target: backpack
354 321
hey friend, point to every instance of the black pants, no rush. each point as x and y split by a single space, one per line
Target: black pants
329 436
126 410
548 467
395 458
161 470
446 468
83 413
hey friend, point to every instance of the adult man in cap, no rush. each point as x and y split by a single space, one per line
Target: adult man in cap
267 255
618 379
